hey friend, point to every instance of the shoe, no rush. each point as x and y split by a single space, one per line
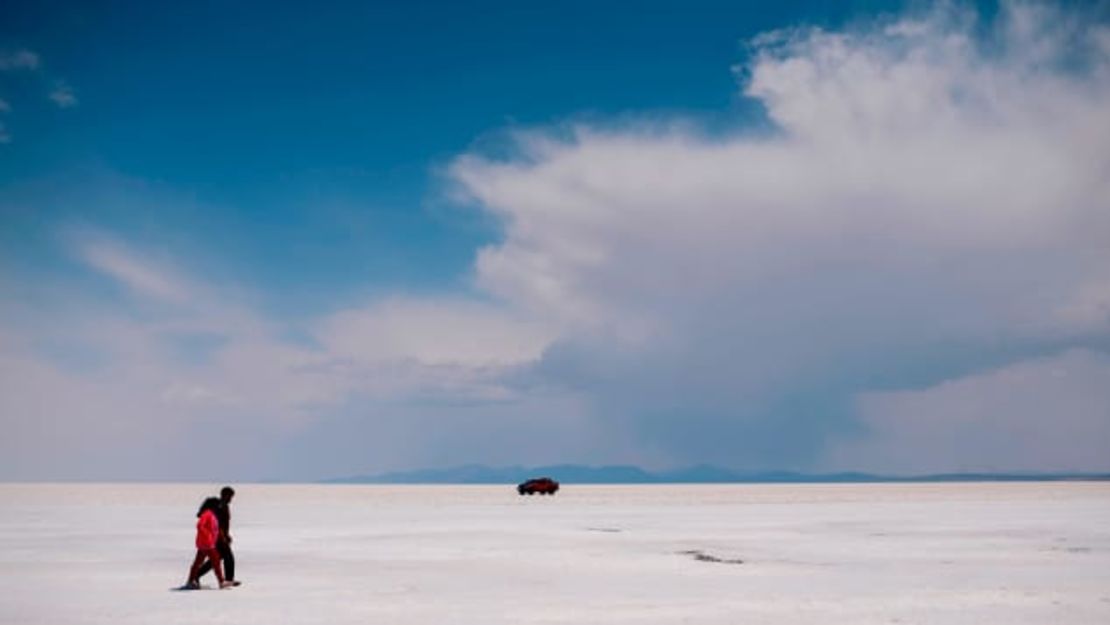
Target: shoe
191 585
227 584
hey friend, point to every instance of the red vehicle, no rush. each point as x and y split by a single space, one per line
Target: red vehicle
541 485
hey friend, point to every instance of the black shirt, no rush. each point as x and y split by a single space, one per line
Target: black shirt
223 515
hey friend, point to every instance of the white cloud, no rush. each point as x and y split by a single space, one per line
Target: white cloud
1088 308
63 96
116 261
18 60
434 332
904 152
925 190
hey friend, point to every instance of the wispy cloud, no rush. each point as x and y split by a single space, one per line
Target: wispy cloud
4 136
131 268
61 93
142 277
18 60
63 96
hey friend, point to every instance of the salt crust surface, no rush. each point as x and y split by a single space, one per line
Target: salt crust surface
784 554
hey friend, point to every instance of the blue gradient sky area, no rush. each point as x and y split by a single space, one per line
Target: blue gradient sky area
301 143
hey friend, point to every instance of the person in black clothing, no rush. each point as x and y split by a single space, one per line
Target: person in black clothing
223 542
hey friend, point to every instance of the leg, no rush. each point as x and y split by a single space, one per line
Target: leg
204 568
228 560
214 557
193 570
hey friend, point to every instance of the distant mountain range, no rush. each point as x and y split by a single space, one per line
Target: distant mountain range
701 474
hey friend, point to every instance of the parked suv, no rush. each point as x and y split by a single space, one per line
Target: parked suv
541 485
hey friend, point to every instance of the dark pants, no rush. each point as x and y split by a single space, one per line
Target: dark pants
226 557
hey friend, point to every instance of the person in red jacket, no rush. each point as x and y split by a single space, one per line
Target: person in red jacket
208 532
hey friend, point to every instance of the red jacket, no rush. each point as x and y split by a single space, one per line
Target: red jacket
208 529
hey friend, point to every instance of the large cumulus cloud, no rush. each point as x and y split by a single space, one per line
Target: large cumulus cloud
933 202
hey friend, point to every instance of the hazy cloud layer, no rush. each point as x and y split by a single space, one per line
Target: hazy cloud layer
1036 414
162 375
925 231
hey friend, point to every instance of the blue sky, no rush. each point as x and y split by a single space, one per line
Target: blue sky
768 235
330 124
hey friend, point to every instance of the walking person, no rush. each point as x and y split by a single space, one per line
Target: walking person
208 532
223 541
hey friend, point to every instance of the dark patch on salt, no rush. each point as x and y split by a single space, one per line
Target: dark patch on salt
606 530
1070 549
702 556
